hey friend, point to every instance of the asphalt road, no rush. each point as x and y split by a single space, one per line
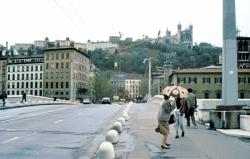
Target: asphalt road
53 132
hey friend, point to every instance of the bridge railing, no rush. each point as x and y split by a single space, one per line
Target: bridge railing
17 99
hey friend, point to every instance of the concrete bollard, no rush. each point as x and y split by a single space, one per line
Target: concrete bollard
125 116
112 136
117 126
121 120
106 151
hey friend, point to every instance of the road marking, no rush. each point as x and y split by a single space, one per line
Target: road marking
37 114
58 121
11 139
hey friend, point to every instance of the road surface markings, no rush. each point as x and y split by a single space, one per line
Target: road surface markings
36 114
58 121
11 139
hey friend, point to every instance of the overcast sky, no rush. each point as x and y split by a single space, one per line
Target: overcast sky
23 21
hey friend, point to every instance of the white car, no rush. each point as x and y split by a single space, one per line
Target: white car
86 101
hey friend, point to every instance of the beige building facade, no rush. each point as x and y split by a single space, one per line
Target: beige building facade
207 82
66 73
3 63
132 86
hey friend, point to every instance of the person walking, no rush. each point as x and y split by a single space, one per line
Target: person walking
24 97
4 96
192 105
181 108
163 116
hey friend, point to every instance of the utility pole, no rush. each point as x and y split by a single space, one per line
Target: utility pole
149 78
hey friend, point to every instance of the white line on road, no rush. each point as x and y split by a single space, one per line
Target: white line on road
58 121
32 115
11 139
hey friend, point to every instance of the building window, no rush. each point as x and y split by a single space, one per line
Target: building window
31 92
57 56
47 66
31 68
18 76
62 65
8 69
206 80
62 56
27 84
242 95
36 76
13 92
13 77
8 77
217 80
41 85
27 68
67 84
40 93
67 55
218 95
41 76
57 65
27 76
47 84
22 76
17 84
36 68
36 84
17 92
13 85
56 84
41 68
51 85
61 84
242 80
35 92
206 95
31 76
14 69
22 84
67 65
31 84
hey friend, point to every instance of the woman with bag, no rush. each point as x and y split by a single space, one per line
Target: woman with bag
163 117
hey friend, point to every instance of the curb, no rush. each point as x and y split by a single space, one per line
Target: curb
235 132
30 105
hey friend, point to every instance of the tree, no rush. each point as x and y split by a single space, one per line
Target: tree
103 88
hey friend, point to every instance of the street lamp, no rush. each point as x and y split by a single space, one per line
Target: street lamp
149 76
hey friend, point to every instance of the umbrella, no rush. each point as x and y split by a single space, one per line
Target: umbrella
175 91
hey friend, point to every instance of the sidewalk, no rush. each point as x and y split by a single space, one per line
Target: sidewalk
199 142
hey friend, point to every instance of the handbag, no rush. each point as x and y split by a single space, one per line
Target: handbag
171 119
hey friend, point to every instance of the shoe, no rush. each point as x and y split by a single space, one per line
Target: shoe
157 130
188 124
168 144
177 136
182 134
165 147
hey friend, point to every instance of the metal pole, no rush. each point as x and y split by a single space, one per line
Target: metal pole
229 70
149 78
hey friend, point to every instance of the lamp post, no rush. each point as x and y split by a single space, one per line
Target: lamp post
149 76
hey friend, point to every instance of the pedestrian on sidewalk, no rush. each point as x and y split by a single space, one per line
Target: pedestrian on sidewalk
24 97
163 116
181 108
192 105
4 97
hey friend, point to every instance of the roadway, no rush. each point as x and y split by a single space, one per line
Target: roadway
54 131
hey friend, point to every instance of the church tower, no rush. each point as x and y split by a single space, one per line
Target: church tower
179 33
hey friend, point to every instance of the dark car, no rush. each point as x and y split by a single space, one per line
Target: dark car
106 100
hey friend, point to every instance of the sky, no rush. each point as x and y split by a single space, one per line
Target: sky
23 21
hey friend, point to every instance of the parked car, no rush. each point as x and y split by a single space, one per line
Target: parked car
86 101
106 100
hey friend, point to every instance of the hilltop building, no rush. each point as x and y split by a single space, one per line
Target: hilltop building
182 37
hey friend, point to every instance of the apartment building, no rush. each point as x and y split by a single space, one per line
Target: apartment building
207 82
25 74
66 73
132 86
3 63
